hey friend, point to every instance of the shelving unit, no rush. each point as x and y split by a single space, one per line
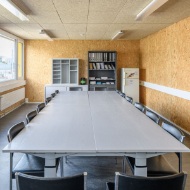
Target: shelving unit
102 73
65 71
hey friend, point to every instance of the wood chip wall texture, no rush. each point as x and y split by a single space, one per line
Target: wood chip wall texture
39 55
165 60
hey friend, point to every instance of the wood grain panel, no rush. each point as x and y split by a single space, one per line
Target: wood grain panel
39 54
165 60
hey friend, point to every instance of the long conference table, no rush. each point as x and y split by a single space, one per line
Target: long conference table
93 124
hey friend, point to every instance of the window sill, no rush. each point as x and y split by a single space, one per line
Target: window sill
8 85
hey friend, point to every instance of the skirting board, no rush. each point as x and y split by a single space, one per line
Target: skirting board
171 91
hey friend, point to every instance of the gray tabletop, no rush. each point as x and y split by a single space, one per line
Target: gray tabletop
92 122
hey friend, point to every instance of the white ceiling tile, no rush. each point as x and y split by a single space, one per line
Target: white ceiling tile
94 35
68 17
101 17
53 26
71 5
97 27
47 18
76 36
106 5
78 28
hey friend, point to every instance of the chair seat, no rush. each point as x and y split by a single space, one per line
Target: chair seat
31 165
156 166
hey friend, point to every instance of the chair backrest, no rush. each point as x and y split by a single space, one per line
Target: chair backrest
75 88
48 99
14 130
26 182
40 107
153 116
175 132
57 91
129 99
30 116
53 95
139 106
177 182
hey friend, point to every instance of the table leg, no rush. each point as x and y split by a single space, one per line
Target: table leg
50 165
140 168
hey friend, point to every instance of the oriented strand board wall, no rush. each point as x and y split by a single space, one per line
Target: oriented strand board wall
165 60
39 54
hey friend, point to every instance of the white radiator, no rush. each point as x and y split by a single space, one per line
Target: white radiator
11 98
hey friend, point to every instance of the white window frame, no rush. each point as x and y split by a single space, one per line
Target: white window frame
17 81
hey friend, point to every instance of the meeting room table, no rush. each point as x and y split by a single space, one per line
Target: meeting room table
93 123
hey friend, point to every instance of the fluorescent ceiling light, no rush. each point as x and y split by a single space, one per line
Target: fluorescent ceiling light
11 7
43 32
118 35
149 9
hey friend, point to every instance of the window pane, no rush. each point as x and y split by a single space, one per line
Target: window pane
7 59
20 59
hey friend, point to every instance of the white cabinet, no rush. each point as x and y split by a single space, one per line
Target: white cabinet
65 71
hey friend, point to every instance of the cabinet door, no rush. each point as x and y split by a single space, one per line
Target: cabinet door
74 71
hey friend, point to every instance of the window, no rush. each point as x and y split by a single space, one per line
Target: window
7 59
20 60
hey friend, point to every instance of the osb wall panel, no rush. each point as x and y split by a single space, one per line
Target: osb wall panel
173 108
165 56
39 54
165 60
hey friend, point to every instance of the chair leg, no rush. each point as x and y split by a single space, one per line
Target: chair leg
11 169
124 165
61 166
116 160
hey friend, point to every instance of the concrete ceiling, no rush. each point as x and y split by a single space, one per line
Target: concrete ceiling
90 19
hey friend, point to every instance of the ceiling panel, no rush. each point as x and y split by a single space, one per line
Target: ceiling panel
106 5
101 17
91 19
71 5
68 17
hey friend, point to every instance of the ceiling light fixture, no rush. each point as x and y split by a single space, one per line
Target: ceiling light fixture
43 32
149 9
118 35
11 7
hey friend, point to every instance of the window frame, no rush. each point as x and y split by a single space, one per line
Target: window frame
16 39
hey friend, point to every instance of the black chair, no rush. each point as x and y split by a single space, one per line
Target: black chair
31 115
122 94
40 107
139 106
26 182
28 164
159 166
153 116
124 182
57 91
129 99
53 95
48 99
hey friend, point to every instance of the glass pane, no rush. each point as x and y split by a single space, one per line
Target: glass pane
20 59
7 59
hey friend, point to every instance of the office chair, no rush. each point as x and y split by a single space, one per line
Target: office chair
26 182
124 182
57 91
153 116
159 166
129 99
30 116
48 99
28 164
139 106
53 95
40 107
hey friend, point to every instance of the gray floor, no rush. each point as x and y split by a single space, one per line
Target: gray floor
100 169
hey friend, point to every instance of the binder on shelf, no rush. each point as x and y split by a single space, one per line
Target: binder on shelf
94 66
92 82
98 66
102 65
98 82
91 66
112 66
106 67
109 67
